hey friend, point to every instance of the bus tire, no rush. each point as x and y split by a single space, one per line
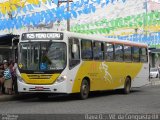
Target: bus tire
127 86
84 90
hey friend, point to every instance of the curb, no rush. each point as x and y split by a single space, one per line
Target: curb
153 82
156 82
19 96
6 97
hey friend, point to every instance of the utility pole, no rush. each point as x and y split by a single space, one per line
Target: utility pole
146 1
68 20
145 21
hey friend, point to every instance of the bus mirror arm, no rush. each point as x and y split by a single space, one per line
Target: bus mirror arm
13 47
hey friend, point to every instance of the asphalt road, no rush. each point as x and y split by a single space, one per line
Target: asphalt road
144 100
141 100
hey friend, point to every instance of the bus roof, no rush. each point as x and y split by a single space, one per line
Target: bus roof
94 37
102 38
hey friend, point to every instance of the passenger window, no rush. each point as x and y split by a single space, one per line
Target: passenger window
74 53
143 55
127 53
98 51
118 52
135 54
108 52
86 47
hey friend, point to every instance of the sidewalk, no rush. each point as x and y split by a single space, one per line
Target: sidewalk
155 81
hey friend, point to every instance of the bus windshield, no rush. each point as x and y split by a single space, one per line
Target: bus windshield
42 56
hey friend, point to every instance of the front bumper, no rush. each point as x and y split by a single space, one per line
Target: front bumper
54 88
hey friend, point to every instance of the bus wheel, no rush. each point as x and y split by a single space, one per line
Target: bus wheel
127 86
84 91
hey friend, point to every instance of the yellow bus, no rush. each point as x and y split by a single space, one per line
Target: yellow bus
66 62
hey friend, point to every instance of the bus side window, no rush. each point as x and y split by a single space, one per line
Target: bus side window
143 55
98 51
109 51
127 53
119 52
74 52
135 54
86 49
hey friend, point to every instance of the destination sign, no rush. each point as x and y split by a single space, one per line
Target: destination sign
42 36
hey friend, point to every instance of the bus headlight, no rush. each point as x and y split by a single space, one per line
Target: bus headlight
61 79
20 79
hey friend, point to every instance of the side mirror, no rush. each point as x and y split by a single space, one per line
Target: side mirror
74 48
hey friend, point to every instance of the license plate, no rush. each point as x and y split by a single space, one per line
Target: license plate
39 88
